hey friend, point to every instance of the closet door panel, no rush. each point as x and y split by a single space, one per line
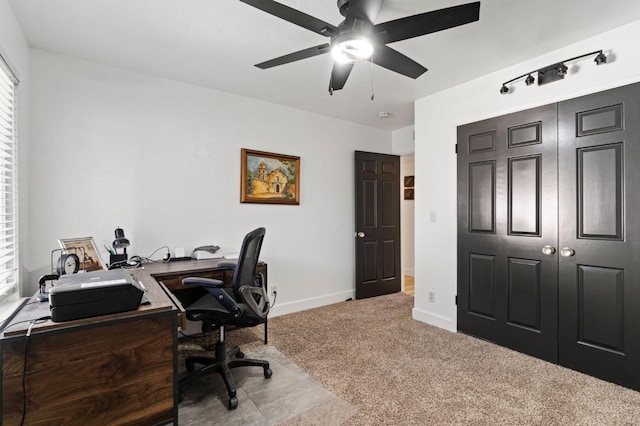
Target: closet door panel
507 212
599 205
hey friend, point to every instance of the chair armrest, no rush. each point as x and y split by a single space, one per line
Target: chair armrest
230 265
203 282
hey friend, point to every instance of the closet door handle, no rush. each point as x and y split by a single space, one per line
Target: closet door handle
360 234
548 250
567 252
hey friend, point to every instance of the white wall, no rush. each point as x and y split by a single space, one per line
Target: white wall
403 141
437 117
403 144
161 159
14 46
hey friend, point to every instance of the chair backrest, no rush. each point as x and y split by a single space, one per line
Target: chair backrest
245 273
247 285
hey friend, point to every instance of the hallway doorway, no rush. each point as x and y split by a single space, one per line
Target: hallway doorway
407 232
409 285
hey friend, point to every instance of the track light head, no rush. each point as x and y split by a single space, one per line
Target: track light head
562 69
504 90
600 59
530 80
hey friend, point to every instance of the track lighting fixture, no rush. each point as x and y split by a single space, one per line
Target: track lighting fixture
553 72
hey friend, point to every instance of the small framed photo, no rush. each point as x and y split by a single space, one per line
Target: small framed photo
408 194
409 183
270 178
84 247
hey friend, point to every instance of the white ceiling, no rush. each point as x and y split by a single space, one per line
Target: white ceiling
215 43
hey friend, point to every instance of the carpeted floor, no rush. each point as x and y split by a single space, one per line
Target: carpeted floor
397 371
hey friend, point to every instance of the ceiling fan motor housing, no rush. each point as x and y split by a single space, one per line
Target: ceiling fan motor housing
343 6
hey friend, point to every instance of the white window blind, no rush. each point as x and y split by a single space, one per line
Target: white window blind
8 184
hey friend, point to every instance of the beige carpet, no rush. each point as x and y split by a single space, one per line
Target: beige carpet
397 371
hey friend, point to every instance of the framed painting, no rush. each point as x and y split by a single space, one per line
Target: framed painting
84 247
270 178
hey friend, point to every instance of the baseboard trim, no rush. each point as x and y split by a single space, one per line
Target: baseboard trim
434 319
410 272
310 303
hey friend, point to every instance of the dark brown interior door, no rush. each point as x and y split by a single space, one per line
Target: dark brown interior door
377 235
507 214
599 258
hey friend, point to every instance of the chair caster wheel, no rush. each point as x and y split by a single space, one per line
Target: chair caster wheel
267 373
240 354
180 396
233 403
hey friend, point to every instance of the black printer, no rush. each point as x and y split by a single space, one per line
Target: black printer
94 293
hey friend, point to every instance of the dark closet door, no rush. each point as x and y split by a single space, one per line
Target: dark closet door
599 203
507 214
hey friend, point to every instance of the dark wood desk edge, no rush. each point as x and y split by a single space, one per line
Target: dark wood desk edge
33 310
185 267
161 298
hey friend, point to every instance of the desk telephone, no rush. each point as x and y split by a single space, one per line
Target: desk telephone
205 252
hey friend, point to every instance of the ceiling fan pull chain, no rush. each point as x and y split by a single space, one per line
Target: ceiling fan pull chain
371 62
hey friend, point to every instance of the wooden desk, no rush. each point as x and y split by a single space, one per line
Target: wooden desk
108 370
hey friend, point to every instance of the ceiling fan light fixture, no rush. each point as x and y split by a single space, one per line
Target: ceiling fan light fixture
351 48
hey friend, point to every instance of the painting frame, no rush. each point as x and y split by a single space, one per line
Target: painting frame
269 178
92 260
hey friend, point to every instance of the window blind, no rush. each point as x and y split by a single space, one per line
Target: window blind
8 184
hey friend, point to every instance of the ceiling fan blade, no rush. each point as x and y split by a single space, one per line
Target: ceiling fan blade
395 61
428 22
296 56
294 16
339 75
368 9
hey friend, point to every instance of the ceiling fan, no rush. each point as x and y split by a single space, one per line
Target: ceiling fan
357 38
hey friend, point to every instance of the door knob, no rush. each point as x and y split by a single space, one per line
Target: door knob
548 250
360 234
567 252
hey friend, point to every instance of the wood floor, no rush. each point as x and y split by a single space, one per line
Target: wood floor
409 285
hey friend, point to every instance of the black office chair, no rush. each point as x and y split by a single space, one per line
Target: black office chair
246 305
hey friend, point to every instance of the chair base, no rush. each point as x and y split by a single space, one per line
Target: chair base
222 365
